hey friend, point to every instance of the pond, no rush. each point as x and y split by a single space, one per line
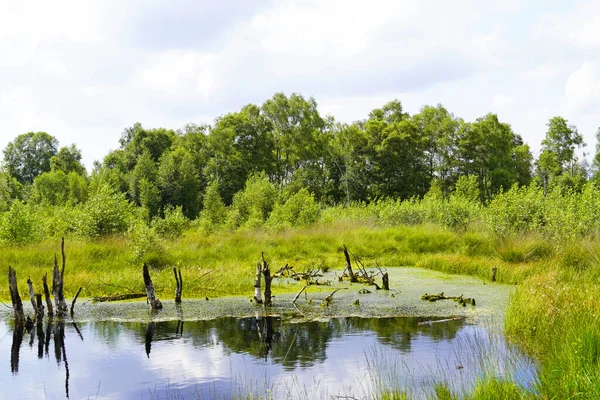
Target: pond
230 348
235 357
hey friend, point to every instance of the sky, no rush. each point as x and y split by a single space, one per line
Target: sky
83 71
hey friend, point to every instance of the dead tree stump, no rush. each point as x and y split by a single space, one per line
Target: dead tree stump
39 309
31 294
386 281
150 293
74 300
257 296
58 282
494 270
349 266
179 287
268 278
47 295
17 304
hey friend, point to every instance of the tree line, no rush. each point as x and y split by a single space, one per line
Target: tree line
287 142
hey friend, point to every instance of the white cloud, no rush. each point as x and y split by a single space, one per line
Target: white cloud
582 90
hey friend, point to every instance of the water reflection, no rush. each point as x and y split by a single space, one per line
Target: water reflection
129 358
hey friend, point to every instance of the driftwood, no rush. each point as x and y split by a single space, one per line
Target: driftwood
257 296
74 300
349 266
150 292
118 297
463 301
17 304
47 295
179 288
268 278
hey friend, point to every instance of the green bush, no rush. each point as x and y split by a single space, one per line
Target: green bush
173 224
105 213
214 212
18 225
252 206
299 210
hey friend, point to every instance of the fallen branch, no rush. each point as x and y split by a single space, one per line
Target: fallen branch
299 293
327 300
74 300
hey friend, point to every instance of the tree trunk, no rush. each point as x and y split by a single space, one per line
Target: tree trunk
386 281
179 283
39 312
349 266
150 293
47 295
31 295
257 296
57 284
14 295
268 278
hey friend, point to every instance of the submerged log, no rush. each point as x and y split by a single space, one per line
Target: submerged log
118 297
463 301
268 278
349 266
150 293
17 304
437 321
179 287
47 295
257 297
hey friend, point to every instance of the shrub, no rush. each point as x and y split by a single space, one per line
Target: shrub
214 212
252 206
173 224
299 210
105 213
17 225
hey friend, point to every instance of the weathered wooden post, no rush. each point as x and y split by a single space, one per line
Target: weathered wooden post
17 304
257 296
349 266
268 278
150 293
47 295
179 287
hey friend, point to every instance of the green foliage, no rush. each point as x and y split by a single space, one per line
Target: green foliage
467 189
10 190
214 213
58 188
67 160
17 225
29 155
252 206
147 246
105 213
173 224
299 210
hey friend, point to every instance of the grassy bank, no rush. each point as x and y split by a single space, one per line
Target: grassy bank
554 313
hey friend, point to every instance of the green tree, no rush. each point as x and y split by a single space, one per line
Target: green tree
558 150
213 213
68 160
179 182
296 133
29 155
10 190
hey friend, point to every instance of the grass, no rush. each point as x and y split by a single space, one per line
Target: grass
554 313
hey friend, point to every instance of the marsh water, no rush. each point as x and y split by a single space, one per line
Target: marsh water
235 357
231 348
